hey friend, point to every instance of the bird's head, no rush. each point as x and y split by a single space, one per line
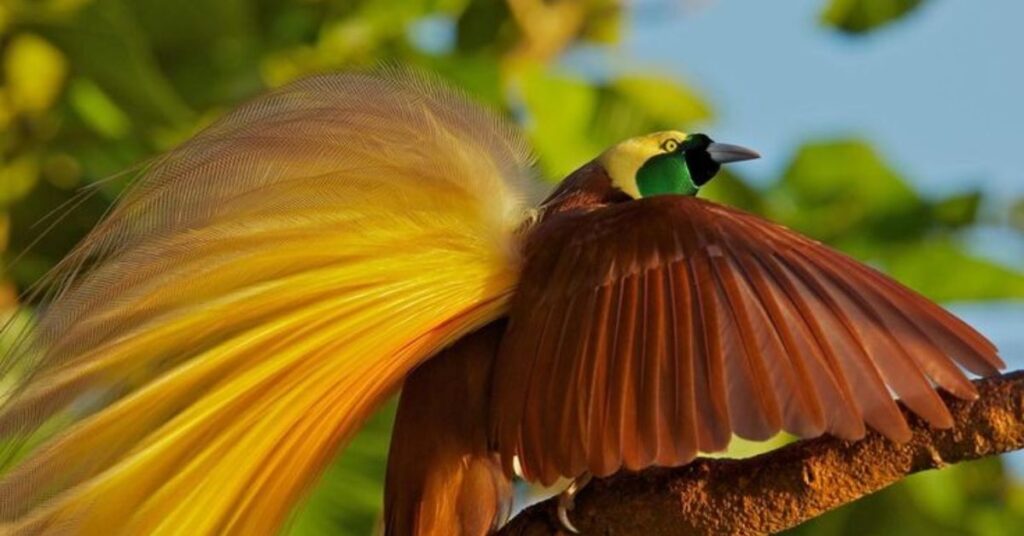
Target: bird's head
669 162
662 163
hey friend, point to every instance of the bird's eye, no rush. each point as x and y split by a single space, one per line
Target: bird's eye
670 146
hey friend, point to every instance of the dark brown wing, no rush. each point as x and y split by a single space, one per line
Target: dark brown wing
441 476
647 331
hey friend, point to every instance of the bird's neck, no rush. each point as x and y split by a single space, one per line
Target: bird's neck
585 189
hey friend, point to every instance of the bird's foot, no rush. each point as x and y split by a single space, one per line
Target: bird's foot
567 501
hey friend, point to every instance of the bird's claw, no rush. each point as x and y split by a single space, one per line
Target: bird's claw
567 501
564 505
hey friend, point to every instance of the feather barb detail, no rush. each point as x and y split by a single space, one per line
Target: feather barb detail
255 295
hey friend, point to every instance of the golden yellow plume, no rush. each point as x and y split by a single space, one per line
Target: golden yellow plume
253 298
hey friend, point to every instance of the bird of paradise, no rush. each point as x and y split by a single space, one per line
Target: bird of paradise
263 288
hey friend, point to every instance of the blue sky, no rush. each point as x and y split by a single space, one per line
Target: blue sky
940 92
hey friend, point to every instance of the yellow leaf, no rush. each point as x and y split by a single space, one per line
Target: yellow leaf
664 99
97 110
17 177
35 72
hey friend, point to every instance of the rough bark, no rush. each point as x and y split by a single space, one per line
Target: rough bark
790 485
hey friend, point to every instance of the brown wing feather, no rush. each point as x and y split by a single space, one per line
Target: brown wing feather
441 476
680 353
649 330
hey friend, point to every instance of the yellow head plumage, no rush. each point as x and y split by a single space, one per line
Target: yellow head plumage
669 162
623 160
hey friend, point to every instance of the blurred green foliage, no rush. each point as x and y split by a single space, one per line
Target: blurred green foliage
970 499
90 88
862 16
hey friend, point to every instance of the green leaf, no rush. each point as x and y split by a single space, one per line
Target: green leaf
571 120
943 271
837 189
106 44
1017 215
963 499
746 448
664 100
729 189
97 111
485 25
633 105
957 211
862 16
477 74
225 31
559 110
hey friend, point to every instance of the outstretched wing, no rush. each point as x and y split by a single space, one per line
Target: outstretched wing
647 331
254 296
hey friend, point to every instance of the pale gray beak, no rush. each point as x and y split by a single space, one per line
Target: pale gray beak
724 153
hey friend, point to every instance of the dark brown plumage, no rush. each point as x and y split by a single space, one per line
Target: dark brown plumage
442 478
646 331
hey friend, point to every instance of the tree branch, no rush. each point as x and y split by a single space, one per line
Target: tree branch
785 487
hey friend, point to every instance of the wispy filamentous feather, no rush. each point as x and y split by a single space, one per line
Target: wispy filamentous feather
253 297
